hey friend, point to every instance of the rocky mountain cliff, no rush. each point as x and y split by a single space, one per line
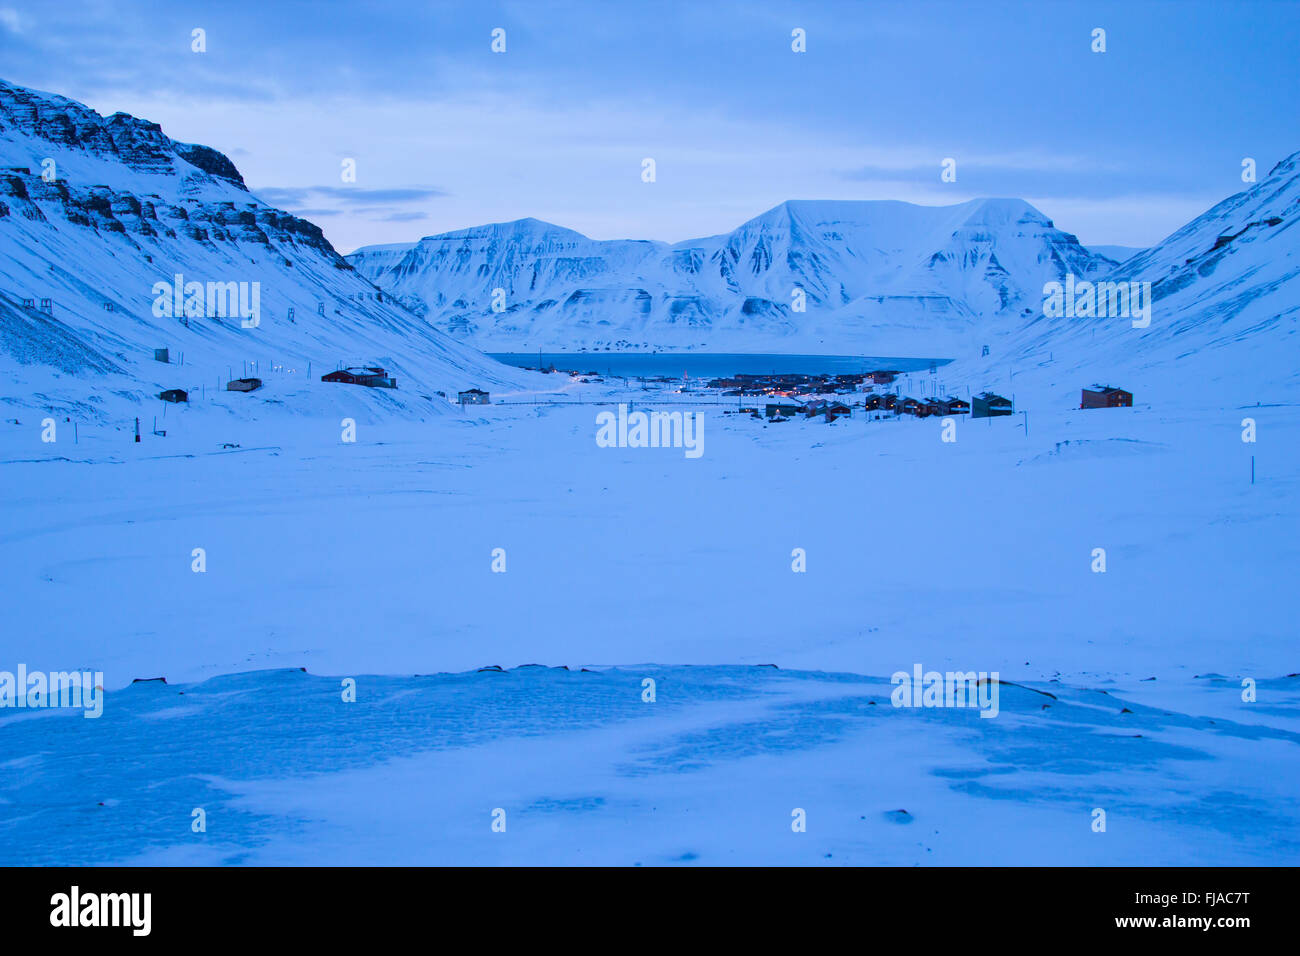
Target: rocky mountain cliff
98 213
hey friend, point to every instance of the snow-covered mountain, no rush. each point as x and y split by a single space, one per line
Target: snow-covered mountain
1225 292
96 212
884 278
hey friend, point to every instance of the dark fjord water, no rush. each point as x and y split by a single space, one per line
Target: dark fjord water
711 364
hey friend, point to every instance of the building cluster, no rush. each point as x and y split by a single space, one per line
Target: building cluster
789 385
984 405
920 408
788 395
785 409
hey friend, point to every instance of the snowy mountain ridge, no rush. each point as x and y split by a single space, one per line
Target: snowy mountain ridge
96 212
1226 303
39 129
878 277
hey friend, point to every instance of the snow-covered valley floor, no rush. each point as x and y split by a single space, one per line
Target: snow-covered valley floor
374 560
587 773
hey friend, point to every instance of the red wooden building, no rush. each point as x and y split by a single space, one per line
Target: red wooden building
370 375
1103 396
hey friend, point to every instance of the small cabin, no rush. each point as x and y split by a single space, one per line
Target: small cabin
1103 396
244 385
883 377
175 395
473 396
909 406
783 409
372 376
834 410
161 355
957 406
988 405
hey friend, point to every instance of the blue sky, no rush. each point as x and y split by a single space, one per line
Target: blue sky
1118 147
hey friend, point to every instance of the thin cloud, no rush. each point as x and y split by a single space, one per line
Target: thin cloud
884 93
295 196
405 217
11 20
